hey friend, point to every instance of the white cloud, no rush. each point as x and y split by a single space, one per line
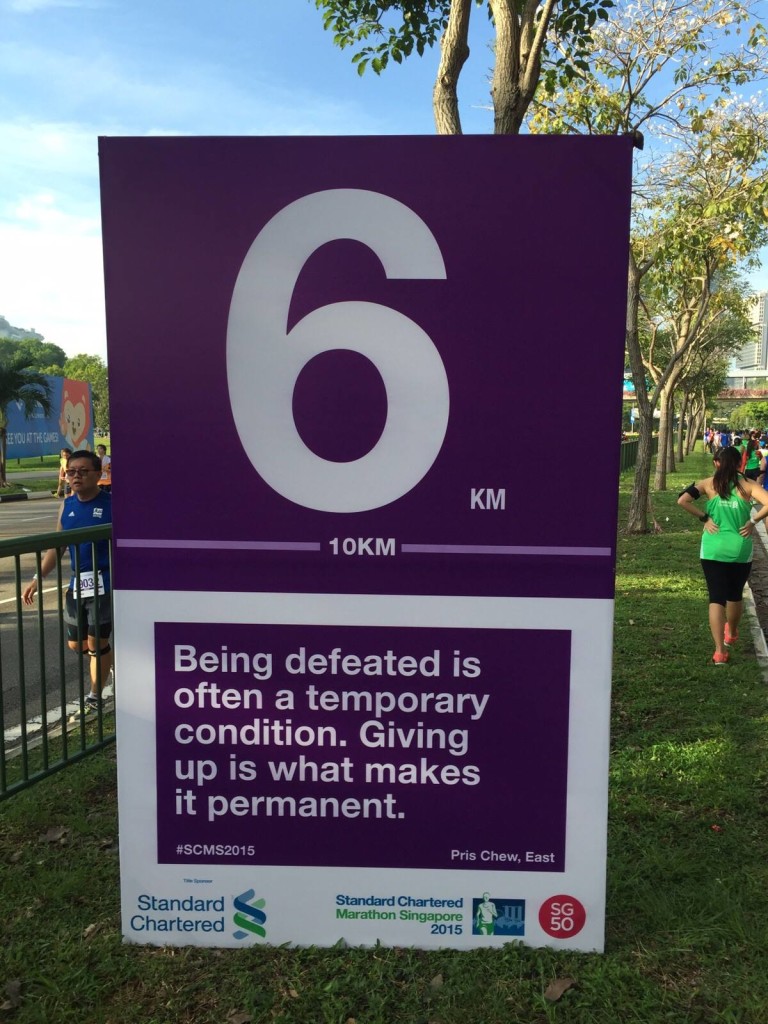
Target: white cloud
182 96
50 237
40 213
33 6
46 152
59 99
51 276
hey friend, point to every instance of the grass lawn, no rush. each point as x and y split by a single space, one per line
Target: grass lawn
687 920
14 487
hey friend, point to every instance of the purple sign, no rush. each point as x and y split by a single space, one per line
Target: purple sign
365 611
383 385
372 746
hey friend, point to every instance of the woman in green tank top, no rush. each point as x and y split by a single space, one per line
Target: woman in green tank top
750 459
726 542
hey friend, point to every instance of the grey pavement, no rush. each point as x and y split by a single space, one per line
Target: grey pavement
32 474
23 634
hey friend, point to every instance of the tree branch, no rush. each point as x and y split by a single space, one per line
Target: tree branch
505 84
531 61
454 51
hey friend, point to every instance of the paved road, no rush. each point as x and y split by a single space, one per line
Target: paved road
42 474
20 638
24 518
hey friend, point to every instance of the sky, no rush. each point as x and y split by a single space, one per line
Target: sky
72 70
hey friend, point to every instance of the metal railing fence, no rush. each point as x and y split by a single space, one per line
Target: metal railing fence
629 453
43 683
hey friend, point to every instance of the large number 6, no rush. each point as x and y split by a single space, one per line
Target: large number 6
264 361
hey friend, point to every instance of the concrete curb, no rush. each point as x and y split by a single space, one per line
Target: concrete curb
26 496
55 724
758 637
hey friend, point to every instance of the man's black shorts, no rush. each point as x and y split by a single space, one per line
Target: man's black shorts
81 622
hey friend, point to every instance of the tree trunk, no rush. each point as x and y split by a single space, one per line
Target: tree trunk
3 450
696 423
521 30
665 461
706 415
660 476
692 433
637 518
699 423
505 84
454 51
684 416
665 457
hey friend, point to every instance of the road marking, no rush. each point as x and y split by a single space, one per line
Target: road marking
12 600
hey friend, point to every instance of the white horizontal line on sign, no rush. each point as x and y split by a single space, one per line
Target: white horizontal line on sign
419 549
501 549
222 545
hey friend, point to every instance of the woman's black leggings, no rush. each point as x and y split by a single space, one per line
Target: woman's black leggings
725 580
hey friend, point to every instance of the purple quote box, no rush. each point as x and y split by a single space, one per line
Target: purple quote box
514 726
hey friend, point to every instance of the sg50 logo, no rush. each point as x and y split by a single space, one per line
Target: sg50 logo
562 916
264 359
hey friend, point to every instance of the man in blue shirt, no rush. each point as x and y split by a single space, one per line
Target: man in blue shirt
88 607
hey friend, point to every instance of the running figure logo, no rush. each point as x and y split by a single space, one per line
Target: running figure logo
249 916
498 916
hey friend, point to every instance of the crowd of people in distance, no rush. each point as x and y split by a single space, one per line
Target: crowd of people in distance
753 445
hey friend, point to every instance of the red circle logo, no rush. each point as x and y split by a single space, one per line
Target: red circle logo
562 916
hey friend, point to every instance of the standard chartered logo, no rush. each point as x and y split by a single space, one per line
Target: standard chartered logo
249 915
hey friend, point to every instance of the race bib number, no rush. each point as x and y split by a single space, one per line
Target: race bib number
87 582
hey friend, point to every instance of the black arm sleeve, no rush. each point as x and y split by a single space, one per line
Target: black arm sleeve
692 490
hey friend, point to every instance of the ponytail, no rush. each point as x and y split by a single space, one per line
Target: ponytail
726 476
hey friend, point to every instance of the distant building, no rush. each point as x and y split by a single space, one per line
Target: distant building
18 333
754 355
